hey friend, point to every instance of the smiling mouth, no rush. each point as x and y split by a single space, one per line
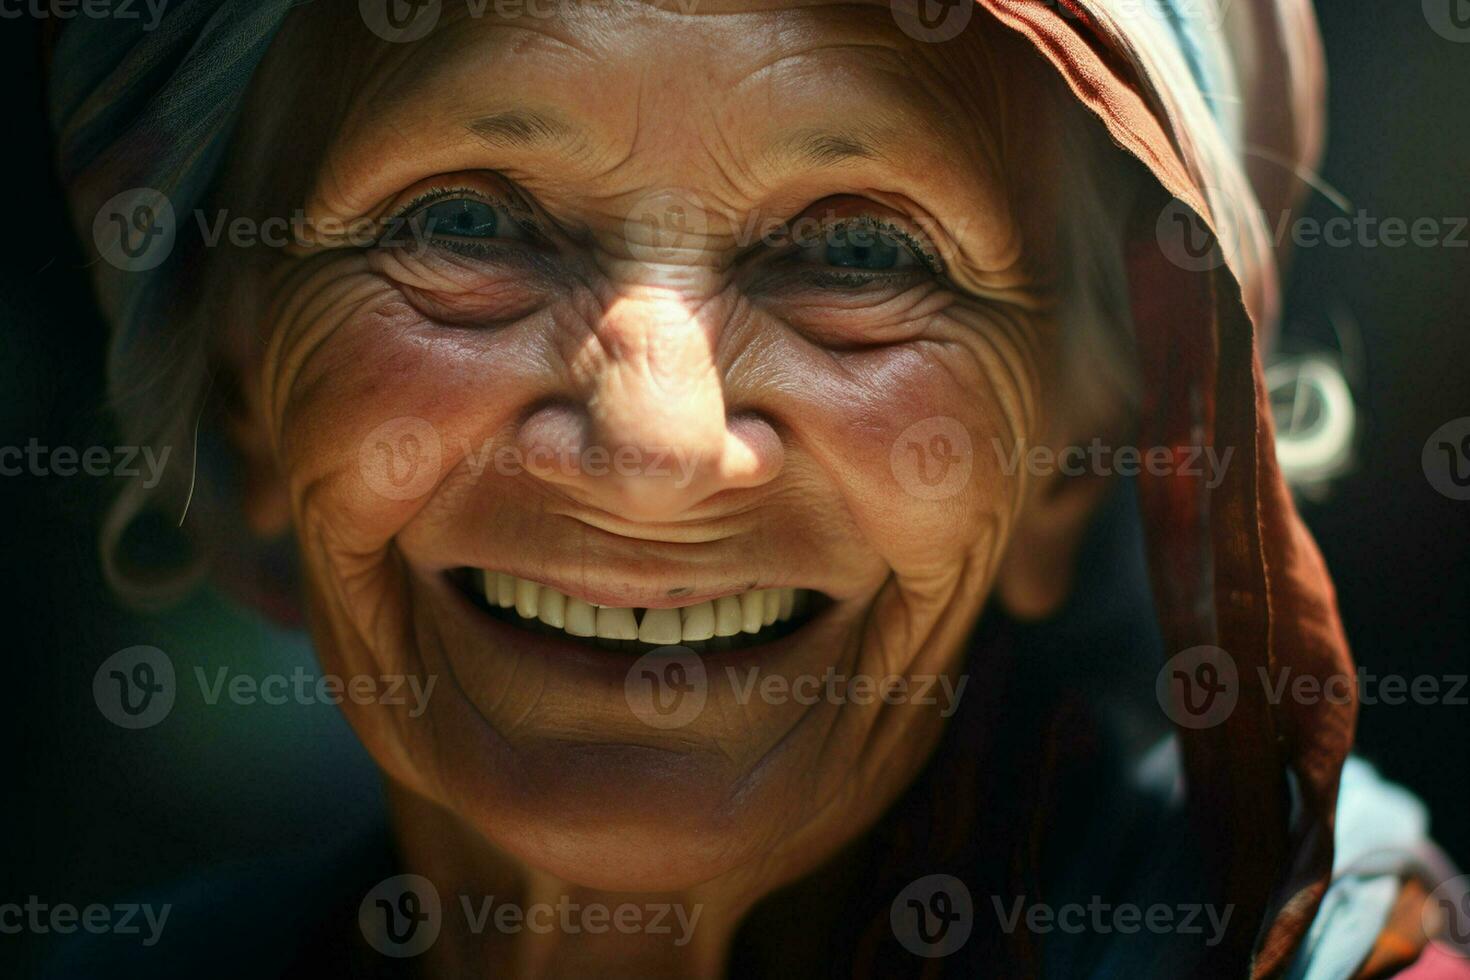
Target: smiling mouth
731 622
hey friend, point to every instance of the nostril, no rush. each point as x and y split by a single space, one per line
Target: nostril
753 452
552 438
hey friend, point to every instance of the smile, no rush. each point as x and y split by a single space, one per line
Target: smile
728 622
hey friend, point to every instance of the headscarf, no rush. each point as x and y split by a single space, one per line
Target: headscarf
144 111
1224 108
1234 567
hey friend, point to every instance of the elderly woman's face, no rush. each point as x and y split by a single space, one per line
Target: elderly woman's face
608 359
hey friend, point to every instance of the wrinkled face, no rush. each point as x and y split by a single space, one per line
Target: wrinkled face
680 394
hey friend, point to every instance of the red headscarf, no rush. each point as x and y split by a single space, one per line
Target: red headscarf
1232 567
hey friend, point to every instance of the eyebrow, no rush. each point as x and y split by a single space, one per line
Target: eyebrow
827 149
518 128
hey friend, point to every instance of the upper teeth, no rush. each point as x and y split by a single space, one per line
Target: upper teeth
747 612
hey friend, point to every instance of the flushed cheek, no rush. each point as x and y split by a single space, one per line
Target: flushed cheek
374 403
913 446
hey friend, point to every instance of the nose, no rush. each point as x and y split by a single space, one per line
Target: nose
649 435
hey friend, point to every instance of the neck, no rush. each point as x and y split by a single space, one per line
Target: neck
501 918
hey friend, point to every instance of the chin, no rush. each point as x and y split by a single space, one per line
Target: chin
548 745
626 818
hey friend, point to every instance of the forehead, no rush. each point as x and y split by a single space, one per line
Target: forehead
589 91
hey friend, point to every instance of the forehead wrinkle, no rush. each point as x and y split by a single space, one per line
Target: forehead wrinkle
964 78
884 114
415 96
873 73
894 83
915 95
722 152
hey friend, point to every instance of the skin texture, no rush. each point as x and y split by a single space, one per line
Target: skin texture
528 775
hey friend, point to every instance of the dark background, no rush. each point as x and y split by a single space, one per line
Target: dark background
92 811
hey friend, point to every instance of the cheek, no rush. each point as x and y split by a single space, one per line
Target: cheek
920 437
372 403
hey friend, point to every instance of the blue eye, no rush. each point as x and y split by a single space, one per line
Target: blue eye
466 219
462 218
861 245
